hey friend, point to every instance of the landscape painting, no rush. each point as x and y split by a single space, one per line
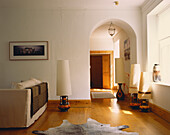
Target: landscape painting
28 50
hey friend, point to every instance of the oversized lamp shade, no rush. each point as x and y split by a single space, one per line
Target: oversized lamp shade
145 86
63 78
134 78
119 70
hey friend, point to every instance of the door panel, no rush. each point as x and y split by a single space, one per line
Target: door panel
96 71
106 71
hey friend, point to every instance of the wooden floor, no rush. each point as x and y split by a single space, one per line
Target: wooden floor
107 111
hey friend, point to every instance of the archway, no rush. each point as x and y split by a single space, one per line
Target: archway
129 35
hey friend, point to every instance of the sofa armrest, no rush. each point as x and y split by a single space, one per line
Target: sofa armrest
13 107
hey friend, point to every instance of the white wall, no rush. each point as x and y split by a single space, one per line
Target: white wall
160 96
68 32
97 44
121 37
160 92
163 23
164 44
153 46
146 9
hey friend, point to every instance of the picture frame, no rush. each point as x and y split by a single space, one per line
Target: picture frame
28 50
127 49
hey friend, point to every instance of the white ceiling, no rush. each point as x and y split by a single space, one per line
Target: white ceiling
79 4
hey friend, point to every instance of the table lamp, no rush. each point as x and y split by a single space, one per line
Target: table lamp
144 93
119 77
63 84
134 85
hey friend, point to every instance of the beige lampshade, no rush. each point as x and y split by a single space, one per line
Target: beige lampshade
134 78
119 71
144 87
63 78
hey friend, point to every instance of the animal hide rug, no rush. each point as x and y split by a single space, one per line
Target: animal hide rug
92 127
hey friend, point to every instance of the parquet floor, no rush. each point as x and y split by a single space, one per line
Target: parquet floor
107 111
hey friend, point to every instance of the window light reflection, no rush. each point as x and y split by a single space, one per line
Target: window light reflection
127 112
114 110
101 90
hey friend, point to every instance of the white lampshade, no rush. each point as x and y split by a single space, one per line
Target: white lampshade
134 78
119 71
63 78
144 87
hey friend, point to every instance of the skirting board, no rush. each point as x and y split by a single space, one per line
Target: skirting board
73 103
164 114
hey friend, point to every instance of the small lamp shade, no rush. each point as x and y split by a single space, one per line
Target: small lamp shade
63 78
134 78
119 71
144 87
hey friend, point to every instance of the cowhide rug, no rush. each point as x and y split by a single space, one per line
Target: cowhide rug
92 127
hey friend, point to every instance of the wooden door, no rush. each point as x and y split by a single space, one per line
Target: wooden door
107 68
96 78
106 71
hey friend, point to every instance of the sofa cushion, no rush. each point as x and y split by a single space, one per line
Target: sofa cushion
25 84
36 81
14 85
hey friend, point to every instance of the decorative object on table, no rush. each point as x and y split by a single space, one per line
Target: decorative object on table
111 29
28 50
127 49
134 85
92 127
144 93
119 77
156 73
63 84
99 95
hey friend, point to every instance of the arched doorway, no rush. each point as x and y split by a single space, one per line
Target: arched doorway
100 41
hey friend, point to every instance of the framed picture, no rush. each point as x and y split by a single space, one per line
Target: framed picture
127 49
28 50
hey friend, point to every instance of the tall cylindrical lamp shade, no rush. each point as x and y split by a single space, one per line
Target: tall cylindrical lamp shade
144 87
134 78
119 71
119 77
63 78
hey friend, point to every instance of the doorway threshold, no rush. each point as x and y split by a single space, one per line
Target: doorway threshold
100 90
103 90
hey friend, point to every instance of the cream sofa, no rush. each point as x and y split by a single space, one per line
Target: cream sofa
15 108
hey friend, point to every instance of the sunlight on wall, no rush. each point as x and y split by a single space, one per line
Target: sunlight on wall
159 42
164 44
116 54
116 49
165 60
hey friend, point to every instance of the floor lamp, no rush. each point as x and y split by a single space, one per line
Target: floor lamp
144 93
63 84
134 85
119 77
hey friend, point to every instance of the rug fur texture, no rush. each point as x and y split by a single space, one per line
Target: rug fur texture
92 127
